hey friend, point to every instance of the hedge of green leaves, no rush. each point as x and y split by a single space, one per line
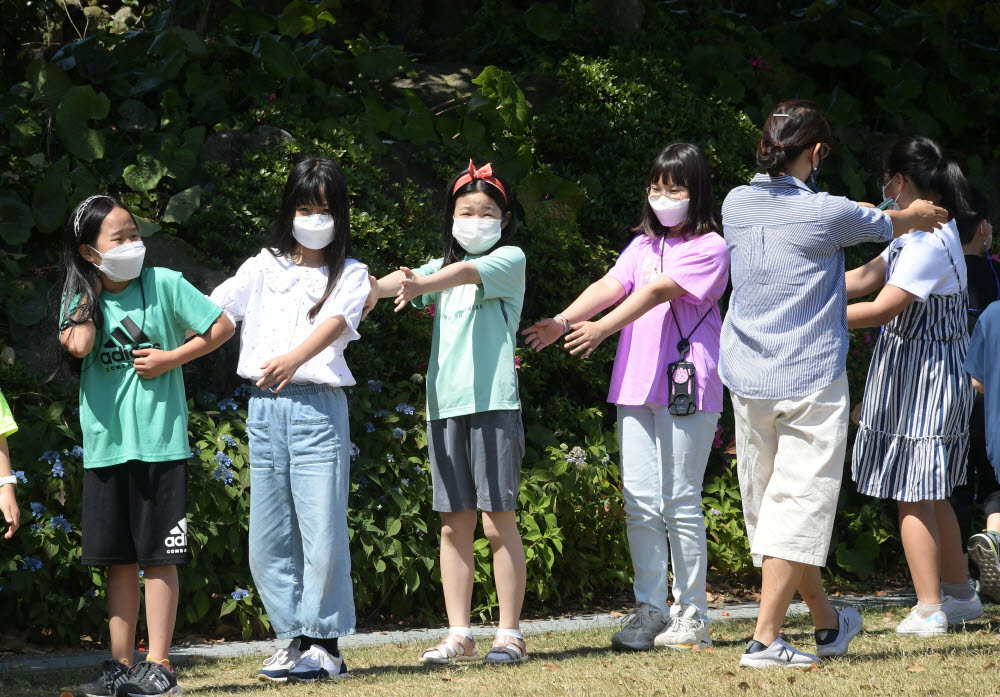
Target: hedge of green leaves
128 110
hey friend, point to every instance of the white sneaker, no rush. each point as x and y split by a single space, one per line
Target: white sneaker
849 624
316 664
914 624
687 630
780 654
276 667
959 611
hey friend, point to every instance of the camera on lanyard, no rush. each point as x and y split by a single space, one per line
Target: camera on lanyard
681 383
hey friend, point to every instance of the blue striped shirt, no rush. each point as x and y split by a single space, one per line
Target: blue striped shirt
785 335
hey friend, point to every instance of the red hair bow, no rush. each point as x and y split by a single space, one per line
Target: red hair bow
485 173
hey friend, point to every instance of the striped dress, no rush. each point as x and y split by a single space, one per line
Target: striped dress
913 438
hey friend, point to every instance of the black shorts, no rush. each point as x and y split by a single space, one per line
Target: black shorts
135 512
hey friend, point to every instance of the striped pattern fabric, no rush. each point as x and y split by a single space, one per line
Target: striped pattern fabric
913 438
785 334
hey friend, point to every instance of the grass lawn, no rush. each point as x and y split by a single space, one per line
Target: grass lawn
964 662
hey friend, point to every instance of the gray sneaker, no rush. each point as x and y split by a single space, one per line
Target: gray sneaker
984 552
780 654
639 629
849 624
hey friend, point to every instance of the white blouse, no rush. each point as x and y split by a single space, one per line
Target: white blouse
272 297
928 262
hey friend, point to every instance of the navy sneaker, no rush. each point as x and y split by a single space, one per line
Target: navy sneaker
149 679
113 676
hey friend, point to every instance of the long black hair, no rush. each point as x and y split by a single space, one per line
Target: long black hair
920 159
79 280
979 210
453 251
312 180
685 165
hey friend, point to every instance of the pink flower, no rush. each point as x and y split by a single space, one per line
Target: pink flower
271 97
431 309
759 63
517 362
717 443
995 257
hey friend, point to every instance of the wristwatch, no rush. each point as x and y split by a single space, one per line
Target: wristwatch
10 479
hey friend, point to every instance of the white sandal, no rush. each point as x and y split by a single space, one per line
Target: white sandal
454 648
507 650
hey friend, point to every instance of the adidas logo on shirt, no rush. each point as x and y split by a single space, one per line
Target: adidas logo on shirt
176 542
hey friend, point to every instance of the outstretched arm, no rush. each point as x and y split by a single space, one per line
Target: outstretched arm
412 285
598 296
888 304
588 335
865 279
919 215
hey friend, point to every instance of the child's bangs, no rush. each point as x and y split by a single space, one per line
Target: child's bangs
670 169
310 190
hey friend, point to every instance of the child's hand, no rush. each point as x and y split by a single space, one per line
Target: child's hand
279 370
409 287
585 337
152 362
542 333
11 513
372 297
856 413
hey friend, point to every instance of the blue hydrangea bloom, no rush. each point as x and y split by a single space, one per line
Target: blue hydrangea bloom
223 473
141 573
369 427
398 433
375 385
355 451
222 459
404 408
229 440
50 456
380 413
228 403
57 470
32 564
390 458
37 508
239 594
37 527
60 523
406 482
76 451
21 477
91 593
241 391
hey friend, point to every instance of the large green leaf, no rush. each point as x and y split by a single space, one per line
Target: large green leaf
48 200
136 116
78 106
277 59
300 17
145 174
544 20
182 205
16 220
48 81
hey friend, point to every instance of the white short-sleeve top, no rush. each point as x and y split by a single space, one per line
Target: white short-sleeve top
272 297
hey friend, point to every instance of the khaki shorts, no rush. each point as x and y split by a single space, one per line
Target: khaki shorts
790 459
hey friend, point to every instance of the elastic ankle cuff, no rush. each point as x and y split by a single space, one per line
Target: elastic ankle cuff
516 633
461 631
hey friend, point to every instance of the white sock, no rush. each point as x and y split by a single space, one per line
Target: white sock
510 632
461 631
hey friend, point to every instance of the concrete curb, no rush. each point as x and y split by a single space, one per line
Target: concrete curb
178 654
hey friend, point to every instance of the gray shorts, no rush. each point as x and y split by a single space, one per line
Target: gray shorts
476 461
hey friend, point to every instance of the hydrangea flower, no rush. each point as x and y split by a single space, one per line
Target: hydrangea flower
380 413
222 459
20 476
418 469
406 482
229 440
50 456
60 523
241 390
91 593
197 450
374 385
36 527
228 403
239 594
224 474
355 451
32 564
577 456
76 451
715 512
398 433
369 427
37 508
404 408
57 470
390 458
141 573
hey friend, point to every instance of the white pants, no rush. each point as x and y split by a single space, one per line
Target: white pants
790 459
663 467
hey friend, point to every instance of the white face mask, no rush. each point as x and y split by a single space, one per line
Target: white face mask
668 211
313 231
888 203
122 263
476 235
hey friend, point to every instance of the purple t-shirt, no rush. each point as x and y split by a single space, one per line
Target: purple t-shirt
700 266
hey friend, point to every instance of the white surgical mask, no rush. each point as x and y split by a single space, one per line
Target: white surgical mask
313 231
888 203
124 262
669 211
476 235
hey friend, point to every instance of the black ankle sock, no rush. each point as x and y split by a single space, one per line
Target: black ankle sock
329 644
754 646
826 636
304 642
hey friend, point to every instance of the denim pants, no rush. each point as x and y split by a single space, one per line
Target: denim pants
663 468
299 480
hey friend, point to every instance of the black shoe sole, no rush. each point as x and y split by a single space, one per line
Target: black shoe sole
622 646
981 552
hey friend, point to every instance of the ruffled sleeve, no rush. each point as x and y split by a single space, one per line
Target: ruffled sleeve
347 299
233 295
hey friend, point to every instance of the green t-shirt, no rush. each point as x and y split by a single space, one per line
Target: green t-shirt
471 368
124 417
7 424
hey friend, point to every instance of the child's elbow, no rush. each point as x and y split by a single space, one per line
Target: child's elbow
226 328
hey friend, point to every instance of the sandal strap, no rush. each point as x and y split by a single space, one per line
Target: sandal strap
453 645
513 647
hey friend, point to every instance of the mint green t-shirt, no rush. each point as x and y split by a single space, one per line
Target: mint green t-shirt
471 368
124 417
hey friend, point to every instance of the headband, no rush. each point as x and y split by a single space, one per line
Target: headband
79 212
485 173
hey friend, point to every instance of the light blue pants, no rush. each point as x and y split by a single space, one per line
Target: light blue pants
663 468
299 480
